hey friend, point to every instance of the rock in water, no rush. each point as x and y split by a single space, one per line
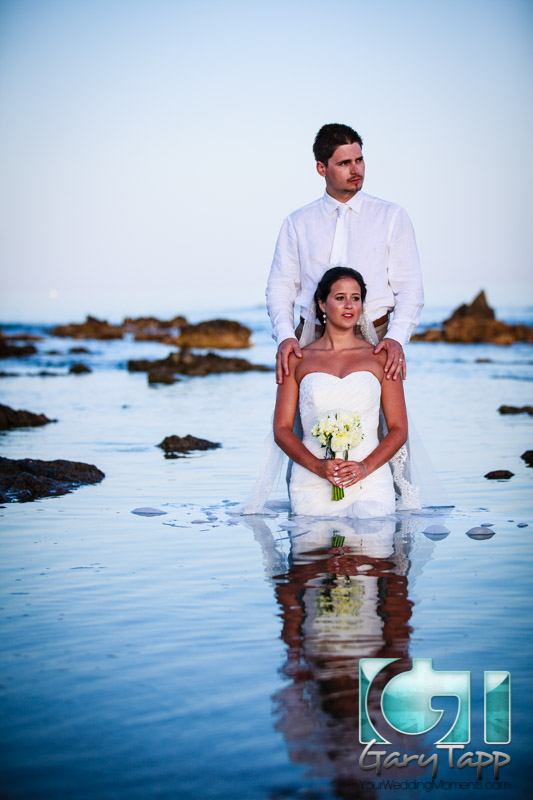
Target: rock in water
516 410
476 323
220 333
184 444
28 478
79 369
9 418
161 376
528 457
183 362
499 475
477 308
8 350
92 328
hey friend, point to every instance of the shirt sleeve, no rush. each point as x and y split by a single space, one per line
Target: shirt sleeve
405 278
283 283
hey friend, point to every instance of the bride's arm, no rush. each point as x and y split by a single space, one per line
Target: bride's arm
284 416
393 402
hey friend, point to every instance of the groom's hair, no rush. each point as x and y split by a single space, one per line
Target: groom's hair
326 282
331 136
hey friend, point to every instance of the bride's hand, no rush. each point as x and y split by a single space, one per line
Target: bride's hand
346 473
327 468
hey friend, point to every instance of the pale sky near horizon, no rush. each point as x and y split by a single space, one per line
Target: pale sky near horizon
150 149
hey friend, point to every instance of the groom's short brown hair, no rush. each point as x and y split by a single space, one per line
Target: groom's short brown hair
331 136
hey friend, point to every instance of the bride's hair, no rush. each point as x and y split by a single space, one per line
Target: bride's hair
326 282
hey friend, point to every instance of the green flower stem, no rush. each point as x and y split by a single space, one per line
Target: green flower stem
337 492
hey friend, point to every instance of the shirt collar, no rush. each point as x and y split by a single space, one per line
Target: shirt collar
354 202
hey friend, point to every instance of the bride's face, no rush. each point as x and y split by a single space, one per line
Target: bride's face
343 304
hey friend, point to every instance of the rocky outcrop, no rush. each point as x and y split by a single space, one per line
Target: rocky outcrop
142 328
219 333
159 375
527 456
27 479
9 418
516 410
184 362
499 475
151 329
476 323
9 350
184 444
79 369
92 328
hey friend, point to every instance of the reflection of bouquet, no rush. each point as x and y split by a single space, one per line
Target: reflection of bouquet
338 431
340 596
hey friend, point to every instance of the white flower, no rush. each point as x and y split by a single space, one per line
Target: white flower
338 430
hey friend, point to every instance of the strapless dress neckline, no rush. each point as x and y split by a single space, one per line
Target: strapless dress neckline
341 377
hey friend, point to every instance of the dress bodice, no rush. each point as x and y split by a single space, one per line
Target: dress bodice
359 392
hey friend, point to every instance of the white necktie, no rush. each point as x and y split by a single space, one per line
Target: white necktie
338 251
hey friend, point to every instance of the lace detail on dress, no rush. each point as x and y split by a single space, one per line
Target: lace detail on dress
409 494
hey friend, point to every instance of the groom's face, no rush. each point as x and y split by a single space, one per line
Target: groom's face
344 172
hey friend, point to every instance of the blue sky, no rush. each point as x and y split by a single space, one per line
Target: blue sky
150 149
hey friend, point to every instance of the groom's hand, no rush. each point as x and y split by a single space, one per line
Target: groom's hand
395 366
286 347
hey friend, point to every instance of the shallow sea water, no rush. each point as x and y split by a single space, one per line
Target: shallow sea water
198 654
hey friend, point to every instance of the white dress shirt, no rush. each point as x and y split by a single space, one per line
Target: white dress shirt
380 244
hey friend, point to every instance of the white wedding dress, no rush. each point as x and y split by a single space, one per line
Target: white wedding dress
374 496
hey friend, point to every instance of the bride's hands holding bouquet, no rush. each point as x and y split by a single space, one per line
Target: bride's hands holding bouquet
346 473
340 472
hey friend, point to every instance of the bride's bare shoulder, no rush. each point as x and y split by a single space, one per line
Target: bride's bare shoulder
312 346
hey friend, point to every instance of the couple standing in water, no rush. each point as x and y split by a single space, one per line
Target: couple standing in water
347 353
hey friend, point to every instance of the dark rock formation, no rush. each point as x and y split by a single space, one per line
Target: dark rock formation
516 410
27 479
220 333
528 457
92 328
78 350
8 350
476 323
79 369
186 363
9 418
478 308
158 375
184 444
499 475
151 329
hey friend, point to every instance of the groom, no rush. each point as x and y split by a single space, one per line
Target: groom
350 228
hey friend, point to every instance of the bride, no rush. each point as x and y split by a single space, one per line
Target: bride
336 372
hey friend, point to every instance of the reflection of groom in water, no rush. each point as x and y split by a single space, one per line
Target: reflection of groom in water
350 228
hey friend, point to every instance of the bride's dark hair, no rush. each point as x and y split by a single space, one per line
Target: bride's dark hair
326 282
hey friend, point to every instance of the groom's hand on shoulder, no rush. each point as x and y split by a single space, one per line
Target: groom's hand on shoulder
285 348
395 365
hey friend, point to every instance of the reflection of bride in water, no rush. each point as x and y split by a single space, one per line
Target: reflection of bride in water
338 604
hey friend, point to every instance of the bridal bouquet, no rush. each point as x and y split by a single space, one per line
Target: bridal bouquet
338 431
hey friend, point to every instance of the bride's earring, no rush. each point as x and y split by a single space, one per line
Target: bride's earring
324 317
